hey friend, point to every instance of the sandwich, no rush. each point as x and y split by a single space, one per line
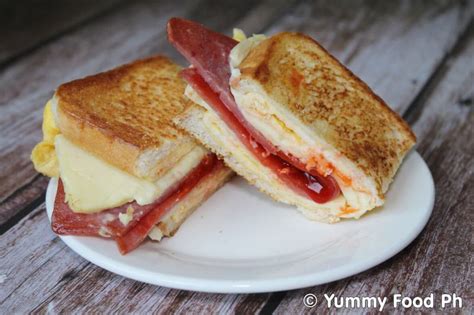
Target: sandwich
124 170
291 119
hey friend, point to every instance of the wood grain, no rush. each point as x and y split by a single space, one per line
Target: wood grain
392 45
27 198
63 282
440 259
41 274
28 24
344 30
56 269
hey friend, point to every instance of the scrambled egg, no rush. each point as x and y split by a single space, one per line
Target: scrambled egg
44 153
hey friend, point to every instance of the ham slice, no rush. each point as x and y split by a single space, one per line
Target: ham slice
208 52
107 223
139 232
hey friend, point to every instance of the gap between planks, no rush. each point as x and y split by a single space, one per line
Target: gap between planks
200 295
415 105
27 125
19 288
438 261
78 19
16 151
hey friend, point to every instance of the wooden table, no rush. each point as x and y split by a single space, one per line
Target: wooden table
418 55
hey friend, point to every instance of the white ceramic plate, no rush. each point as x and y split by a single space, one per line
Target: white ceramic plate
242 241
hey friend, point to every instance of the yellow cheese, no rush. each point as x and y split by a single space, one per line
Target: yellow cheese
43 155
243 48
238 35
92 185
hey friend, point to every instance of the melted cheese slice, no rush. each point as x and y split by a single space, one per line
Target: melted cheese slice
92 185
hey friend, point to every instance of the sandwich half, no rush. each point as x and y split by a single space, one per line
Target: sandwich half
291 119
125 171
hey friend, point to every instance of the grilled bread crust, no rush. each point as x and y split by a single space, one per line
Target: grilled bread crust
298 73
124 115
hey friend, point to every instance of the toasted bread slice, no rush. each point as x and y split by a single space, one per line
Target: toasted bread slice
123 116
309 105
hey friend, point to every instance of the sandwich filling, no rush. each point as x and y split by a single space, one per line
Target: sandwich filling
130 223
277 124
313 185
95 198
210 77
92 184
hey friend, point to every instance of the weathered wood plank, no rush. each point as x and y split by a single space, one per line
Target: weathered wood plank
50 277
42 248
27 24
58 280
353 35
392 45
27 198
440 259
70 287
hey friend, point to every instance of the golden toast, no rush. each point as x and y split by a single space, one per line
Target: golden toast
124 115
312 87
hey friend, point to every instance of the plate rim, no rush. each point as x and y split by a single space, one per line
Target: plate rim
232 286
